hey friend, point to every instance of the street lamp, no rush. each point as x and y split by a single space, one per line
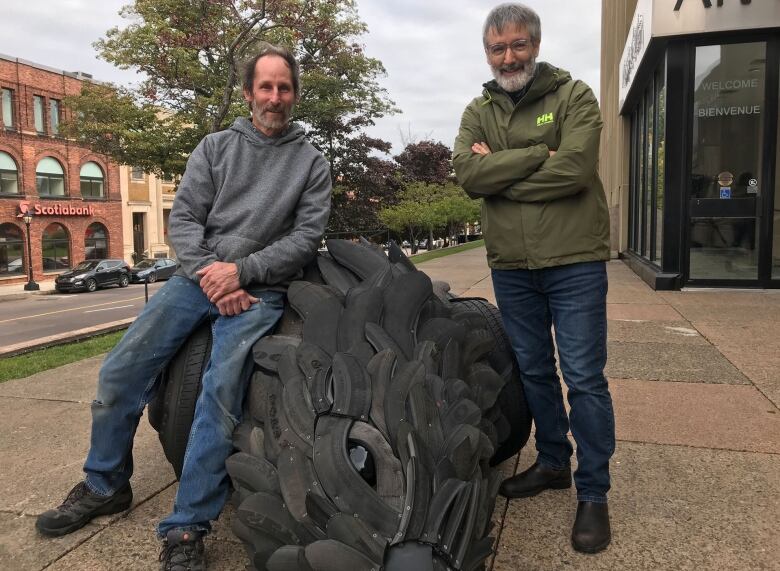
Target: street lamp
30 285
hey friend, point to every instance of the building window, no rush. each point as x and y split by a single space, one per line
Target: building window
56 248
49 178
8 108
54 116
95 242
646 199
11 248
9 175
40 125
137 173
91 181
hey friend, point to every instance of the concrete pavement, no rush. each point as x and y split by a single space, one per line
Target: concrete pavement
695 378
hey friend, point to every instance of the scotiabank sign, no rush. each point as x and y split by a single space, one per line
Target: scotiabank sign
56 209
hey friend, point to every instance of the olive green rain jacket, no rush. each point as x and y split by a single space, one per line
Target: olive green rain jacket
538 211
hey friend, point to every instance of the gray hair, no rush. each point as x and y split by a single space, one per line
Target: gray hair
513 14
267 49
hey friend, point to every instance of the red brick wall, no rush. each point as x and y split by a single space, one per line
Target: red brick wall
27 148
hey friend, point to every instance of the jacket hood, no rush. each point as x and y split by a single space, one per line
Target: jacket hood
548 78
293 134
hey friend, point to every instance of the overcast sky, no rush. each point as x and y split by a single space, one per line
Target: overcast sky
432 50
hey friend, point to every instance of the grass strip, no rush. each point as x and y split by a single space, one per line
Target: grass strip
28 364
433 254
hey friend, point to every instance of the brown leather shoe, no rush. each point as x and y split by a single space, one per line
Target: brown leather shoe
534 480
591 532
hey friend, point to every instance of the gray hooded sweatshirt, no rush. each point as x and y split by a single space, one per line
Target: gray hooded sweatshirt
257 201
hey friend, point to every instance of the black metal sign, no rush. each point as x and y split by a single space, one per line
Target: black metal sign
708 3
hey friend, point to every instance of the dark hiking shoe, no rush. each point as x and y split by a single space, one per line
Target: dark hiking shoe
80 507
183 551
535 480
591 532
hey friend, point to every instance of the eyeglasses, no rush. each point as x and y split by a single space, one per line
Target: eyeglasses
518 47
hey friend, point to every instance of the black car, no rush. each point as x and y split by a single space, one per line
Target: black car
92 274
151 270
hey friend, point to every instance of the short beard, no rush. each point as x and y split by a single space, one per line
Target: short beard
514 82
270 122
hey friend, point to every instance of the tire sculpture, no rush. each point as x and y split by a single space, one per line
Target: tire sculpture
372 423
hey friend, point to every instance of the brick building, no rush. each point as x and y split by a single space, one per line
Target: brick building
73 193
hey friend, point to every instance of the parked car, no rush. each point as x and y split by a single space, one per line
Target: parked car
90 275
153 269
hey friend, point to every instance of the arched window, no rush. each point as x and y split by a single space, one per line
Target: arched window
91 181
9 175
50 178
95 242
11 248
56 248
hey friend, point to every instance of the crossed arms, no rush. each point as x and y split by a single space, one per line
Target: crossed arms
534 173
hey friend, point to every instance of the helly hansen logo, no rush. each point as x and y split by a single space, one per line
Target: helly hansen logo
544 119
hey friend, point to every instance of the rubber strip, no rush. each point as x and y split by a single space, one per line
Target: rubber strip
297 480
389 472
361 306
364 262
255 474
403 300
354 533
485 385
289 558
268 350
381 368
380 341
336 275
342 483
396 394
268 514
439 509
351 388
329 555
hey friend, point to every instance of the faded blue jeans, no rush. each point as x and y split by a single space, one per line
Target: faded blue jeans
128 380
573 300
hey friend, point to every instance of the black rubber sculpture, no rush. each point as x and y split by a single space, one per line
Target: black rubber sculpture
372 424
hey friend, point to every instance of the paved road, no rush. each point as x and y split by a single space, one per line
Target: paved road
45 315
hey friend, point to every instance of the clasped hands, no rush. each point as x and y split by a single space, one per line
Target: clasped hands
219 281
483 149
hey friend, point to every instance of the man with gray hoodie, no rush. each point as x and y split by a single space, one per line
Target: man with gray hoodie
249 213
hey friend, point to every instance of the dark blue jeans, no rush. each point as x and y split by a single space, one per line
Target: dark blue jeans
573 300
128 380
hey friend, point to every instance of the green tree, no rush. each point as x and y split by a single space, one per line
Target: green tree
189 54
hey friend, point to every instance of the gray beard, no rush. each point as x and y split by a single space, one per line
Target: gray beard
515 82
267 122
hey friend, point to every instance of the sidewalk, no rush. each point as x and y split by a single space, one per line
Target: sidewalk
695 378
17 291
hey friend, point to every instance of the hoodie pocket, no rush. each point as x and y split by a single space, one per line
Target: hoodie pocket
231 248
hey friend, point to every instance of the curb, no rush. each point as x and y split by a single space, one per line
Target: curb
25 294
62 338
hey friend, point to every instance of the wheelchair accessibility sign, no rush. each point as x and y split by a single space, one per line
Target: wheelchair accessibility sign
725 192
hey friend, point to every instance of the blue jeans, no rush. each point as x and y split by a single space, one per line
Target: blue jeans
573 300
128 380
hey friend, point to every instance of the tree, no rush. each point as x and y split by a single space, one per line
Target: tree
430 207
190 53
426 161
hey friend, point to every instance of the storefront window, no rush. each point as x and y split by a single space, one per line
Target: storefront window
648 137
54 116
776 213
727 160
96 242
649 182
660 158
50 178
56 248
9 175
91 181
11 249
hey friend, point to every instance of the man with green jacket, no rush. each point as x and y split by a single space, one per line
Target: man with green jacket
528 146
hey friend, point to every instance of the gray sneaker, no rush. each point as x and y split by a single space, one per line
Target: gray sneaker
183 551
80 507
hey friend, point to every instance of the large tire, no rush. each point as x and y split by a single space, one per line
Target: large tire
371 424
91 285
511 404
172 410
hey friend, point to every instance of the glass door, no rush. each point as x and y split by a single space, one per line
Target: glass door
727 163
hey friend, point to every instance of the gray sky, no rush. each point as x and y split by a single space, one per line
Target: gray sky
432 50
